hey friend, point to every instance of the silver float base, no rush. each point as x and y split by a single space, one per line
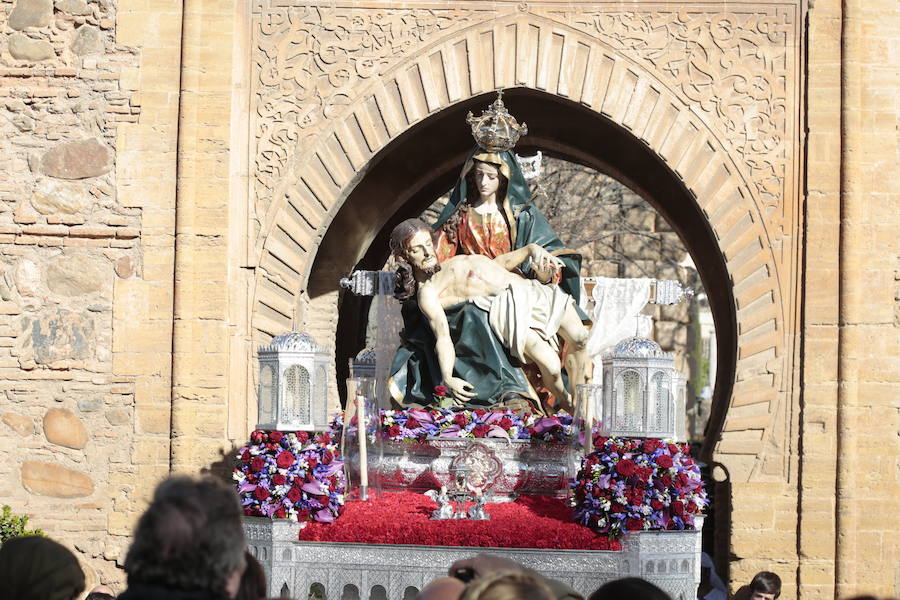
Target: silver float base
344 571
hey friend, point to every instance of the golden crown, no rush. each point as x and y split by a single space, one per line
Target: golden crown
496 130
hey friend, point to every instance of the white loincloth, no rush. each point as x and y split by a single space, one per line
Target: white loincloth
523 306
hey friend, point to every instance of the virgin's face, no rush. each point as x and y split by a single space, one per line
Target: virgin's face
487 179
420 251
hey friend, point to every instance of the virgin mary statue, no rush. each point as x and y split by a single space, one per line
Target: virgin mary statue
490 212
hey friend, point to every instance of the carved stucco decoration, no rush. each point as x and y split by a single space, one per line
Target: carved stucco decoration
309 62
732 66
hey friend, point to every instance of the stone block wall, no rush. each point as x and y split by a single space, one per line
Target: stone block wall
85 325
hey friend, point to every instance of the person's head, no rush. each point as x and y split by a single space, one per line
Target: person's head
765 585
507 586
37 568
629 588
483 180
253 581
443 588
100 592
189 538
412 244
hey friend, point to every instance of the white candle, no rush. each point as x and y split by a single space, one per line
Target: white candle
363 450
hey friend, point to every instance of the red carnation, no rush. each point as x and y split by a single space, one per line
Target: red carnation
394 431
656 504
480 412
245 457
275 436
294 495
257 464
666 480
505 423
664 460
302 437
261 493
678 507
632 524
279 479
617 508
280 513
460 419
411 423
674 449
650 445
323 500
313 462
285 459
625 467
324 439
480 430
327 457
691 508
441 391
257 436
303 515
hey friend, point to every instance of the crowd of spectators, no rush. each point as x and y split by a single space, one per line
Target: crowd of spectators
189 545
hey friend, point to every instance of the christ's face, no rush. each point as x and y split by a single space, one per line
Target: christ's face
420 251
487 179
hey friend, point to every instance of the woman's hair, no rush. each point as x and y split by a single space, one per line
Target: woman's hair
451 225
766 582
629 588
507 585
253 581
38 568
472 189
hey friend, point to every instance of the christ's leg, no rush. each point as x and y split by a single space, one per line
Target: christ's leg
578 363
538 351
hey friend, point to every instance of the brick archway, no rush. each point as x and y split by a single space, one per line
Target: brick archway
607 86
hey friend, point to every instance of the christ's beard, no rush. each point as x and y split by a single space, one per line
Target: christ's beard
431 271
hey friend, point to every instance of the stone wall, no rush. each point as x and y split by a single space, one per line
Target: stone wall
73 242
121 360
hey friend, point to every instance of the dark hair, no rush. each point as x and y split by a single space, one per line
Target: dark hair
99 596
405 286
189 538
38 568
472 189
629 588
766 582
253 581
507 585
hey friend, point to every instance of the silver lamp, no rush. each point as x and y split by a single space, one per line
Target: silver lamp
293 384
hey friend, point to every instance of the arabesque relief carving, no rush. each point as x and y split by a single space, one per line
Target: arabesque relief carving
307 62
733 66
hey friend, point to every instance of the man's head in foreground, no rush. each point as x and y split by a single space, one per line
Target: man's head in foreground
189 538
765 585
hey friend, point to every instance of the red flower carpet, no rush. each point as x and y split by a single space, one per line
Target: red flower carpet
403 518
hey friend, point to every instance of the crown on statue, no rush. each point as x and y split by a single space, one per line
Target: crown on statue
496 130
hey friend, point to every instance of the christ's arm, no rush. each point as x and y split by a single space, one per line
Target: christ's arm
540 257
437 320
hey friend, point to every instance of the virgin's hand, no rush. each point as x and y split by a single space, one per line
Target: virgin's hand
460 388
543 263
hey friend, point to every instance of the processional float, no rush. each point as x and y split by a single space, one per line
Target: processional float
616 464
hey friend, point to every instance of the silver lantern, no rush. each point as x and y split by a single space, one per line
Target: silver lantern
638 390
293 384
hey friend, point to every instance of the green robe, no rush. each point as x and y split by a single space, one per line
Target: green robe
480 357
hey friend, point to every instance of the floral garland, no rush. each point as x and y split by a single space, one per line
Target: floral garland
418 425
637 484
291 476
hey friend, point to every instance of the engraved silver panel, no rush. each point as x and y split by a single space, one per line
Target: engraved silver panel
670 559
